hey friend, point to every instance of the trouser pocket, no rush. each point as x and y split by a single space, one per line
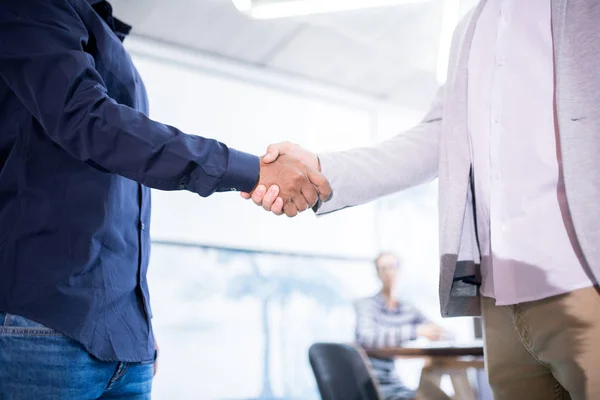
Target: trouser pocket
11 324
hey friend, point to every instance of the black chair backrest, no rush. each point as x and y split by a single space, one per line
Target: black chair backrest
342 373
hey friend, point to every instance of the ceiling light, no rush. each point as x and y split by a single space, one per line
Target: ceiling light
268 9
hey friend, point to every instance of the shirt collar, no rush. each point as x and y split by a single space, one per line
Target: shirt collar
381 303
104 10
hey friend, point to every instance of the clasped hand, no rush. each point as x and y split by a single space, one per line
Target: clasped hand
290 180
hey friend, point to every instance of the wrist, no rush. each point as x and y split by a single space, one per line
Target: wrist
260 170
242 173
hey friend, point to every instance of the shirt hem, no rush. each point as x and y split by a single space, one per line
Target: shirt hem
527 299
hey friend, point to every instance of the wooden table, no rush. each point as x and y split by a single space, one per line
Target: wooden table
440 361
421 352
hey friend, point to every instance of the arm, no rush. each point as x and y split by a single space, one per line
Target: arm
364 174
427 328
370 334
43 61
420 318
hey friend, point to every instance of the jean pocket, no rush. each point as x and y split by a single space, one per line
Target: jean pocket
17 325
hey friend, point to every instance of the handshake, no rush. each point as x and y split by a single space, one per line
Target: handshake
290 181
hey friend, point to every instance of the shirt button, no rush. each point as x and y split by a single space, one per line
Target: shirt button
143 226
233 189
181 186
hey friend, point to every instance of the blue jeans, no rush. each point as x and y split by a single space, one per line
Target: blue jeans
39 363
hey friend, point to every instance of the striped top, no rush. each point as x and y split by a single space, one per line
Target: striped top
379 327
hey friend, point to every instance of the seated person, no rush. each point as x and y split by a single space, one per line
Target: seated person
383 321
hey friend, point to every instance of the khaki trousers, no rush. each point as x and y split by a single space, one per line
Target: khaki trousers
544 350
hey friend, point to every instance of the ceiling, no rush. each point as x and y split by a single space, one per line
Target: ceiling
389 53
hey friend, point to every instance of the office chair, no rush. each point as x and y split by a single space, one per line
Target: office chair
342 372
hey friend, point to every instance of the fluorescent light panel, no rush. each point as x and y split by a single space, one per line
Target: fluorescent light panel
269 9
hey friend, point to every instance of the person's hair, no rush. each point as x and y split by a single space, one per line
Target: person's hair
384 254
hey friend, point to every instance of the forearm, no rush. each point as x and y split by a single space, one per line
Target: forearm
360 175
126 142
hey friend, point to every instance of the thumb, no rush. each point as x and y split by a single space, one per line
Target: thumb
321 183
273 151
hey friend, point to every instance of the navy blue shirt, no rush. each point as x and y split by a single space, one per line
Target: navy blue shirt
77 156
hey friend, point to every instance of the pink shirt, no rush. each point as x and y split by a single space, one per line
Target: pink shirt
522 212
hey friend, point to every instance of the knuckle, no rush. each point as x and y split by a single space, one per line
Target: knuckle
288 146
298 178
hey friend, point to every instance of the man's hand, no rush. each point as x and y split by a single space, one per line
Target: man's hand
270 199
299 186
291 149
430 331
